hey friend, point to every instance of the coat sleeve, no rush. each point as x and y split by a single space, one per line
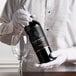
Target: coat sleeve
60 27
7 29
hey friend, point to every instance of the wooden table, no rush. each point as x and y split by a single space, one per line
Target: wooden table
67 70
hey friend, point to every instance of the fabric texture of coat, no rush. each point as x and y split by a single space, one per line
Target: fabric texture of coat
56 19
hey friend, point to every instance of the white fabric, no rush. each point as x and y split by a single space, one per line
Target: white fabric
21 17
2 5
57 17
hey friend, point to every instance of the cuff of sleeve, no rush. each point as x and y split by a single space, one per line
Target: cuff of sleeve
6 28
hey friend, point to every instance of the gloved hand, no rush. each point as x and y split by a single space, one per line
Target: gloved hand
61 58
13 29
21 17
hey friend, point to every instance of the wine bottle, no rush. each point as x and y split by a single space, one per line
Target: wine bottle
39 42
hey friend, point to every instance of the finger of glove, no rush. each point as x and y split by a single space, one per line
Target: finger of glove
57 62
24 18
57 53
23 14
23 23
22 11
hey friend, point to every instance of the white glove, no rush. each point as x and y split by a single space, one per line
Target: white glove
61 58
21 17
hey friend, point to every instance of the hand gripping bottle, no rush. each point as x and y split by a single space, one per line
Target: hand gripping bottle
39 42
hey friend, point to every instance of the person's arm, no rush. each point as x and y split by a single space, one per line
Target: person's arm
6 28
63 54
16 25
65 51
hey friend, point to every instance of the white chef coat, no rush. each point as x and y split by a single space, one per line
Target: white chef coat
57 18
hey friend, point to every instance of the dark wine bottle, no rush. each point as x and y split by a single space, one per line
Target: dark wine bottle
39 42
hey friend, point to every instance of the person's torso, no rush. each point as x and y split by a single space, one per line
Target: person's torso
52 14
